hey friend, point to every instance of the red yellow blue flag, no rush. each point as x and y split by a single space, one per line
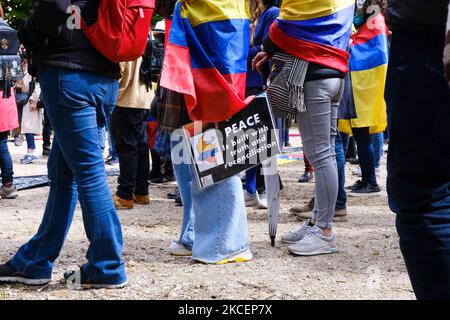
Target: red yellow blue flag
369 55
206 57
317 31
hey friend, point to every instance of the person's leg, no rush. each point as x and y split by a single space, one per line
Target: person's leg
6 164
142 177
180 162
76 112
221 229
260 181
378 143
126 137
308 166
315 126
341 202
345 142
46 131
31 144
35 259
425 245
250 180
366 155
420 193
156 165
286 133
112 152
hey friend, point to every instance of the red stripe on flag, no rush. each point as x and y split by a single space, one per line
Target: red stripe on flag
312 52
216 98
371 29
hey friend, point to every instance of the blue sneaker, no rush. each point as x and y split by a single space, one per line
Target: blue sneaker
28 159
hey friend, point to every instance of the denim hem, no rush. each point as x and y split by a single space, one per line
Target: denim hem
19 266
223 257
324 223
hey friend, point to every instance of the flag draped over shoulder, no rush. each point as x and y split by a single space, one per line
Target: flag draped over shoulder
206 57
317 31
369 57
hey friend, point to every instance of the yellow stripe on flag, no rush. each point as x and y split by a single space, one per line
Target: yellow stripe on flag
298 10
203 11
368 93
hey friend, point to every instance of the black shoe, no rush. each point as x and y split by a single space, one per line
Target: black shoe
179 202
365 190
306 177
164 180
154 175
173 195
77 280
358 184
9 274
46 151
354 161
112 161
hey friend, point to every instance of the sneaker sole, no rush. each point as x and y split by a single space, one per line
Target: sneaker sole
371 194
96 286
165 184
317 252
11 197
289 242
181 254
28 282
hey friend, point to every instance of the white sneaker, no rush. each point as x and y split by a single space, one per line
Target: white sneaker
253 200
378 171
295 236
179 250
314 243
263 201
357 171
237 258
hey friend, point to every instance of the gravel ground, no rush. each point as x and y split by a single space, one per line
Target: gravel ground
368 266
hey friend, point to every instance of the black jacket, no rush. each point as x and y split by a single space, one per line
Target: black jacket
417 13
52 43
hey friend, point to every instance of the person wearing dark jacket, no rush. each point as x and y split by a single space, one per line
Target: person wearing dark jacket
418 98
79 86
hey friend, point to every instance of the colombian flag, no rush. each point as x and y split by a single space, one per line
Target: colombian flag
369 57
206 57
317 31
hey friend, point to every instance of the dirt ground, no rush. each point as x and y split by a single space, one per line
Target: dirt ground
368 266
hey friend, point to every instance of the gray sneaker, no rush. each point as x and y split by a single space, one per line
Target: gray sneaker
295 236
8 192
314 243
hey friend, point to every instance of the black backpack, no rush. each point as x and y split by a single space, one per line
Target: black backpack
152 62
10 60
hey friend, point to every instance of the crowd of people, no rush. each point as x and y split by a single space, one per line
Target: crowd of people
349 73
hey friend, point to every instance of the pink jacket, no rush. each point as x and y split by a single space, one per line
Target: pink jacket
8 113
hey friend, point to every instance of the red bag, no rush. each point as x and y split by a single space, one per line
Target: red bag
122 28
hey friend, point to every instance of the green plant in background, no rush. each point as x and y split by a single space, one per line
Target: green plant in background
17 11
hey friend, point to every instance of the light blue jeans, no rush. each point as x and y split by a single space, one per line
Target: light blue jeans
215 219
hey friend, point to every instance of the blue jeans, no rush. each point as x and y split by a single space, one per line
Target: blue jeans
6 164
366 155
378 143
215 219
418 99
342 140
30 141
76 103
250 180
